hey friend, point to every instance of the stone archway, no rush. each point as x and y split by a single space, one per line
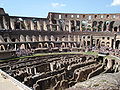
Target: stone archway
2 48
46 38
102 43
34 39
111 25
22 38
40 45
74 45
40 38
28 39
84 43
28 46
63 45
52 45
13 39
94 25
88 43
72 25
69 45
46 45
22 46
117 44
52 38
83 25
10 47
58 39
17 24
115 29
100 26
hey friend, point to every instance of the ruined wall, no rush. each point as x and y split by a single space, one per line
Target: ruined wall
59 30
85 22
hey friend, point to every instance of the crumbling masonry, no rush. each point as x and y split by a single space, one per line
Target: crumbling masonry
59 31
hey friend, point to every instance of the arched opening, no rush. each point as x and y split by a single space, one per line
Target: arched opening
28 39
72 25
115 29
111 26
84 43
40 45
108 44
35 24
9 46
22 25
69 38
57 39
63 38
22 46
100 26
13 40
63 45
34 39
22 38
104 26
52 45
46 38
97 41
46 45
5 39
61 24
94 25
67 28
69 45
74 38
83 25
40 38
117 45
28 46
102 43
74 45
17 25
2 48
77 25
88 43
52 38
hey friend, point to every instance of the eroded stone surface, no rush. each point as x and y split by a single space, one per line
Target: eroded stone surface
108 81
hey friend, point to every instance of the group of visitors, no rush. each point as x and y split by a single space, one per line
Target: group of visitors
24 52
105 49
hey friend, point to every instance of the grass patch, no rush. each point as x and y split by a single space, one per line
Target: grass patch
45 54
112 57
90 53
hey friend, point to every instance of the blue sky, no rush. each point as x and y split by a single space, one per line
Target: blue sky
40 8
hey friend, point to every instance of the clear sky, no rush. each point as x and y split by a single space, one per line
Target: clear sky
40 8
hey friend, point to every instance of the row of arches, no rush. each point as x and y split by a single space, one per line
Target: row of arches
50 38
39 38
53 45
47 45
101 26
16 46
